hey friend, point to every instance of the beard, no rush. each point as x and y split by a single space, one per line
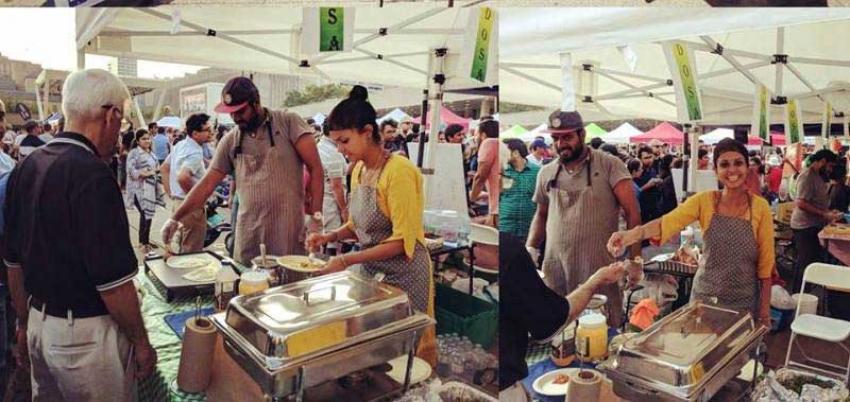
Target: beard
575 153
251 125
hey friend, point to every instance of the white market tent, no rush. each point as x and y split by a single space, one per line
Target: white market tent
734 51
396 114
170 121
714 136
621 134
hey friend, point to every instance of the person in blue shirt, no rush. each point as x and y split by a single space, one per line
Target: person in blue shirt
161 146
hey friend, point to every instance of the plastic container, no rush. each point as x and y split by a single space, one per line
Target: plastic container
458 312
809 305
253 282
592 337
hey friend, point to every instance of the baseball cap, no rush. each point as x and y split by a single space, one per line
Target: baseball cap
237 93
539 143
560 121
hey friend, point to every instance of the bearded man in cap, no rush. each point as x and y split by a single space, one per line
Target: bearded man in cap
579 198
266 153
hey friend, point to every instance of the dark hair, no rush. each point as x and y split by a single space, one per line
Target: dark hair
825 154
596 142
609 148
666 163
311 121
160 130
388 122
633 165
644 149
151 125
355 112
139 134
490 128
701 153
453 129
516 144
221 130
195 122
730 145
46 127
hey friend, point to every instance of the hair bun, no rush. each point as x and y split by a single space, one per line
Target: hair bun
359 92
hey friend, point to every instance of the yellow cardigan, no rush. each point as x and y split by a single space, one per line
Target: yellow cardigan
401 198
701 207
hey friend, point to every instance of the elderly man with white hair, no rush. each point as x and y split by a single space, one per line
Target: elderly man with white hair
69 255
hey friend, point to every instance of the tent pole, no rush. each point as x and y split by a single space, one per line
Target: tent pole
691 136
532 79
81 59
437 106
780 49
624 83
159 103
731 60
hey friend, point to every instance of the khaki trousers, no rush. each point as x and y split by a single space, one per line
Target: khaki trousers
85 359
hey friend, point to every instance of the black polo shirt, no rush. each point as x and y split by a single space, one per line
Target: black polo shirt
526 307
66 225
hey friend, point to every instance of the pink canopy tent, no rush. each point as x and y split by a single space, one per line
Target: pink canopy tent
664 132
447 117
778 139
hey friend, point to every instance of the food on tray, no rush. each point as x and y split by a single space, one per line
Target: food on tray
316 338
205 274
796 383
561 379
187 262
686 255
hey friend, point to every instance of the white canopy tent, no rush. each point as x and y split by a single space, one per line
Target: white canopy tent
735 49
407 45
621 134
396 114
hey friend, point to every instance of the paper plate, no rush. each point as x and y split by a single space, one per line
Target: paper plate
420 371
544 385
300 263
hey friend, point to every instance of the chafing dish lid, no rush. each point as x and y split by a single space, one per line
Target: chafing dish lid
682 347
301 317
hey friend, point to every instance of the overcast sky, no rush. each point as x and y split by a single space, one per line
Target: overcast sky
46 36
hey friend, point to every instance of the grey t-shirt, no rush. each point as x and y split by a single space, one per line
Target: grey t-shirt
812 188
604 168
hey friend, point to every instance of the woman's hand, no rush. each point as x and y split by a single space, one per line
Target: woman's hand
622 239
607 275
315 241
335 264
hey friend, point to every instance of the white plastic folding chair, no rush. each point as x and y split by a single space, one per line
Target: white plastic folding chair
487 235
819 327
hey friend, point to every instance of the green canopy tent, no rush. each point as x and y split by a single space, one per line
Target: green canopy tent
592 131
514 132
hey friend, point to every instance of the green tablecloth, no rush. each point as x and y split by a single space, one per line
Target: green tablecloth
161 386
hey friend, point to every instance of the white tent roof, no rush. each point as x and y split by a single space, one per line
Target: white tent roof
714 136
266 39
621 134
532 38
396 114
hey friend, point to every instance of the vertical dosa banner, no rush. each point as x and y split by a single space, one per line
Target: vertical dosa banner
327 29
479 55
680 60
793 123
826 125
761 114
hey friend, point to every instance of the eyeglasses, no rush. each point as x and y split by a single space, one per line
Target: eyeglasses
108 107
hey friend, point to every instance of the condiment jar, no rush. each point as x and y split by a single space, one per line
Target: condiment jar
592 337
253 282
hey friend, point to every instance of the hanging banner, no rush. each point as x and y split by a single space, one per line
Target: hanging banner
76 3
568 88
486 18
793 123
761 114
826 120
23 111
327 29
680 60
476 62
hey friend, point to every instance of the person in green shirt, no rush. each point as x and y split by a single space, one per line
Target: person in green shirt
516 207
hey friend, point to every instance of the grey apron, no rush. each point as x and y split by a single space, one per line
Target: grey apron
279 224
577 231
372 227
728 278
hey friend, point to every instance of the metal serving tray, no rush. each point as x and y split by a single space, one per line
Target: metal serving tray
686 355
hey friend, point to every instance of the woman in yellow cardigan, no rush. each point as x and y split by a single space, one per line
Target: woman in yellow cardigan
738 236
385 211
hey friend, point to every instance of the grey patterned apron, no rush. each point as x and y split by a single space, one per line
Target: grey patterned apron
372 227
729 278
577 231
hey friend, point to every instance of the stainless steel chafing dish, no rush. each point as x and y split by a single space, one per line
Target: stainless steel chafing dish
301 335
687 356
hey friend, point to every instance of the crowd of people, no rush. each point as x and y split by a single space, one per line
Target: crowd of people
293 185
579 206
